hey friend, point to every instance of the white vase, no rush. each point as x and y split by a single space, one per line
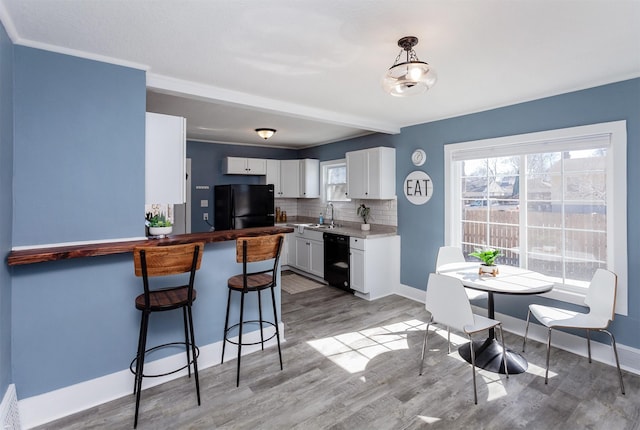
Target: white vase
160 231
488 270
365 227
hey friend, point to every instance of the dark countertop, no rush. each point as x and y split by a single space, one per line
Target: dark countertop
65 252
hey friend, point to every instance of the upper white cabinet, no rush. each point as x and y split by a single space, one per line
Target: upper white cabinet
371 173
309 178
294 178
165 159
283 174
245 166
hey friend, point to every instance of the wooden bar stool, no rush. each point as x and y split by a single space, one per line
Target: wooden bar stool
155 261
252 250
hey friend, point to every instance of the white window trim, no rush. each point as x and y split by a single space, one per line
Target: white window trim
323 178
616 194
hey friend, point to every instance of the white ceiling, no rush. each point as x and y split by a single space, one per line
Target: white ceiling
312 69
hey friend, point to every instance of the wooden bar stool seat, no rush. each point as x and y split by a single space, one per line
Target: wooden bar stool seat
159 261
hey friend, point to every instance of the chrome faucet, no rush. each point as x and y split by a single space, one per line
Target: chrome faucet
330 205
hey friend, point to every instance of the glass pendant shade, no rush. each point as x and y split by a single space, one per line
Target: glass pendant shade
406 79
411 76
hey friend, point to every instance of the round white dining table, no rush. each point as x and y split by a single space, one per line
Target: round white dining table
509 280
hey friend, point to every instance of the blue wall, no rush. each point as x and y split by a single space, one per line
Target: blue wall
422 227
206 169
78 149
6 202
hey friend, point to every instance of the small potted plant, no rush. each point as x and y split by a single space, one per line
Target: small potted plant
365 213
488 257
159 225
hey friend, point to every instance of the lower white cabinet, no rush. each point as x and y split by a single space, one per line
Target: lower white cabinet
308 253
284 252
374 266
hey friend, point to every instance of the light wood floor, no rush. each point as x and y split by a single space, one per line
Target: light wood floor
353 364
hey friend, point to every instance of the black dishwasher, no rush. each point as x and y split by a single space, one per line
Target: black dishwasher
336 260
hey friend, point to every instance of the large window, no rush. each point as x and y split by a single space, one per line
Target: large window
553 202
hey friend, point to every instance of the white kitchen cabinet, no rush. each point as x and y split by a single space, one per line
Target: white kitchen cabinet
294 178
309 178
165 159
374 266
245 166
289 178
371 173
286 246
309 253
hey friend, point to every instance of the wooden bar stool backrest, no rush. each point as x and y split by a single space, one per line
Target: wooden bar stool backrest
167 260
259 248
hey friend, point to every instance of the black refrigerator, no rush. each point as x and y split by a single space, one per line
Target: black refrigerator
243 206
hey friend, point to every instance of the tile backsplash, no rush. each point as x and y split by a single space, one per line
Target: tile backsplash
384 212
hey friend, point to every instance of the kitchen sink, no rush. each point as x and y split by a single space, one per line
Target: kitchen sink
318 226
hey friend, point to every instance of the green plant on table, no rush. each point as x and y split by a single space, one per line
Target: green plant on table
157 220
487 256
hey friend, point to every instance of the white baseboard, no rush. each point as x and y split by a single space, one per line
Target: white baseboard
53 405
629 356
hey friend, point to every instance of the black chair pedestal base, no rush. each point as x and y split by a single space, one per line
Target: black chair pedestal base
489 357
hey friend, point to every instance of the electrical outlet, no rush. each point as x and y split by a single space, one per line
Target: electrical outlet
205 216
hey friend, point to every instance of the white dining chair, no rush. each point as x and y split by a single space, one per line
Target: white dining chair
449 255
601 300
448 304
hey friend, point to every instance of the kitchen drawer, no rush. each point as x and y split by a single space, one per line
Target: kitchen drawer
357 243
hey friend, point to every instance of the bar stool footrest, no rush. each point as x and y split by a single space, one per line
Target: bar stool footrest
226 338
165 345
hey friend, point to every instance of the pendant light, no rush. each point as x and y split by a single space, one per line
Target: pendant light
265 133
408 76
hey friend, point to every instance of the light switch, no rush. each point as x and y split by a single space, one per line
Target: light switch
204 203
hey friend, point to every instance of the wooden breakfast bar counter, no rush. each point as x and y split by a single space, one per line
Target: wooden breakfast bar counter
38 255
75 326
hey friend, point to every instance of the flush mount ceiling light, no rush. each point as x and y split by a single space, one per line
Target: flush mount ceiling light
408 75
265 133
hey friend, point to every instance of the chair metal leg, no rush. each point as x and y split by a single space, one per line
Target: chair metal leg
226 327
424 347
504 352
140 338
240 339
193 352
615 352
186 340
140 363
526 330
589 344
275 319
260 318
546 373
473 370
